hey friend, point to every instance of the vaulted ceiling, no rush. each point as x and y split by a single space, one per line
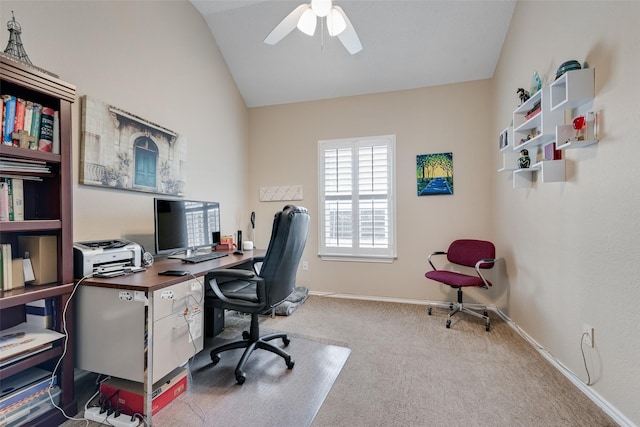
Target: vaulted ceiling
407 44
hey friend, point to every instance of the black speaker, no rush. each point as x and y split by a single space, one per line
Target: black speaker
239 240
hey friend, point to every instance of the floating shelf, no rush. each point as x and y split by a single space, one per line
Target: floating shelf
572 89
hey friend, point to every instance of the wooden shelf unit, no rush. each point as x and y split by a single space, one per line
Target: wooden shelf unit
48 211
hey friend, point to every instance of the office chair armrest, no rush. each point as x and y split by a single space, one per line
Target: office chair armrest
232 273
432 254
478 266
235 303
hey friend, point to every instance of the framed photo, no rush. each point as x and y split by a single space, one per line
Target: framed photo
504 139
434 174
123 151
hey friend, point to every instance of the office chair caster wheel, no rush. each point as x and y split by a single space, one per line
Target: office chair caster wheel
215 359
285 341
448 324
429 311
245 335
486 313
487 327
241 378
290 363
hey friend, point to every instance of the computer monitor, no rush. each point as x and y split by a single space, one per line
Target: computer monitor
185 225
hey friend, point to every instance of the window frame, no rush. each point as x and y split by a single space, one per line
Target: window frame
357 252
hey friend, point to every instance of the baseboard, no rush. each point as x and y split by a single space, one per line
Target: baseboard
609 409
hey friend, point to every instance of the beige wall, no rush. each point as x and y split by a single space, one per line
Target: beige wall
156 60
454 118
571 249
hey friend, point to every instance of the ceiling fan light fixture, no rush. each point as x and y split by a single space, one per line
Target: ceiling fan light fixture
335 23
307 22
321 7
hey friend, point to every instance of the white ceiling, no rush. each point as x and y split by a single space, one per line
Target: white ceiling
407 44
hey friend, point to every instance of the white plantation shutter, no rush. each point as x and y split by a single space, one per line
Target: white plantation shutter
357 198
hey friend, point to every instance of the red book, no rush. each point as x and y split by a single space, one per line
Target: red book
18 121
46 129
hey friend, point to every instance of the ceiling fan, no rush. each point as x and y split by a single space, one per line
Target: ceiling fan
305 18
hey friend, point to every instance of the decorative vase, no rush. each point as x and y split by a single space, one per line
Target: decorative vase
524 161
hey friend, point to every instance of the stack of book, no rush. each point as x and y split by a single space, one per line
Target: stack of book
25 394
12 184
28 124
25 340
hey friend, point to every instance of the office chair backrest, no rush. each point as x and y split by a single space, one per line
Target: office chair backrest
280 265
468 252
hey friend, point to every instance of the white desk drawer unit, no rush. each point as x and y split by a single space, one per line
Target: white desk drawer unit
111 329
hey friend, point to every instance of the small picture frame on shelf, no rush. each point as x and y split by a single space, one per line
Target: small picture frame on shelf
504 139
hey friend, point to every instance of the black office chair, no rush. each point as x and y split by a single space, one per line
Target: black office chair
259 292
479 254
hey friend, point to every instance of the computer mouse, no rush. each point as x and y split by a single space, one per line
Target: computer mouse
238 253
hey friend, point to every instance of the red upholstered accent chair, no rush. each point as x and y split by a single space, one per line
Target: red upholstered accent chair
479 254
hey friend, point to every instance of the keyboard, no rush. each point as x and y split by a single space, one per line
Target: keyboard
204 257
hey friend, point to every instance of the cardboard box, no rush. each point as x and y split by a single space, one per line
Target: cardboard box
128 395
43 251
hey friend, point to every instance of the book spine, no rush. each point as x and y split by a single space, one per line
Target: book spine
9 182
2 117
7 266
4 201
9 118
18 199
56 133
28 117
46 130
35 126
18 121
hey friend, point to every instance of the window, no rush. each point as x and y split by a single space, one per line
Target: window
357 199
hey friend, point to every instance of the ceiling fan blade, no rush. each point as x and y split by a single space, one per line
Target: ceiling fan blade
348 37
286 25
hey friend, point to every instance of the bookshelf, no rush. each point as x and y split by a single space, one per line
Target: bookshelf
47 212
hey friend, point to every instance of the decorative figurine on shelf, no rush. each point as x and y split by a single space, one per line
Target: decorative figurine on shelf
523 95
579 124
524 161
14 47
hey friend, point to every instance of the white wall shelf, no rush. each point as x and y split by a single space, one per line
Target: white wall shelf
572 89
568 137
550 171
539 129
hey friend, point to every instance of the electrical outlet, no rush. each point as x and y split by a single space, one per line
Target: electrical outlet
305 266
587 335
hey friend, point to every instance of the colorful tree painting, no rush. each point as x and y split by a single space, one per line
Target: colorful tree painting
434 174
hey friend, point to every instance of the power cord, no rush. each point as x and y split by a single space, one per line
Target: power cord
191 359
584 359
65 348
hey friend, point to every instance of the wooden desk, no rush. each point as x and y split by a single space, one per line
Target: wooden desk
124 321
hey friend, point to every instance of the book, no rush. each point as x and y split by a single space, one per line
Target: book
9 184
24 384
40 313
35 126
56 133
25 339
9 118
17 186
28 117
4 201
18 121
7 266
46 130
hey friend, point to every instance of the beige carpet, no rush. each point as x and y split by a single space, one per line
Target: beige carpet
405 369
